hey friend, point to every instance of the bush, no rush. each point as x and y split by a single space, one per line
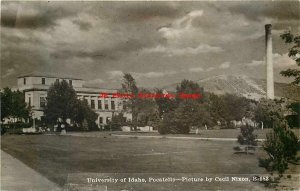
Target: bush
247 137
73 128
14 128
173 126
282 146
17 125
14 131
163 129
93 126
117 122
3 130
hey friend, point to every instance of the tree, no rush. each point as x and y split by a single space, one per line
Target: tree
217 107
189 87
282 146
60 102
236 107
129 87
6 103
117 122
20 109
270 112
294 53
294 115
164 104
185 112
190 113
13 105
228 107
83 114
146 107
246 137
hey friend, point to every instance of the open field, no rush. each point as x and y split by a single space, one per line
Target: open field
211 133
72 159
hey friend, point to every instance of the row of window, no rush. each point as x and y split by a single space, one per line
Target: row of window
106 106
43 102
44 81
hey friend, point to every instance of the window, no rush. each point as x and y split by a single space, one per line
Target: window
100 120
42 102
113 105
85 99
124 105
29 101
107 120
43 80
70 82
93 104
24 81
99 104
57 80
106 104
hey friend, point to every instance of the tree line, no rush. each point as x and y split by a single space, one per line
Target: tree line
179 115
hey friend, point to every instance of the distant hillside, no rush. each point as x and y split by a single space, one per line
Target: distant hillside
244 86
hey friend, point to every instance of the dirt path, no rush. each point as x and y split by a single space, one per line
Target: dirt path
17 176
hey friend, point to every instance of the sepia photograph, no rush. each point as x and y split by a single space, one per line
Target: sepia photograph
150 95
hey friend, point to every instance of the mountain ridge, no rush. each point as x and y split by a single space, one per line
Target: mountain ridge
245 86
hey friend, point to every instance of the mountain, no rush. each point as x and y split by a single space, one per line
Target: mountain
244 86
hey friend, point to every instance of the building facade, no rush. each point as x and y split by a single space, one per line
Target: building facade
36 85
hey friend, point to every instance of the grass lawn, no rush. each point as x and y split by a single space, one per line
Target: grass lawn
64 159
211 133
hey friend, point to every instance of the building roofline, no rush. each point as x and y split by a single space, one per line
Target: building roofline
47 75
77 90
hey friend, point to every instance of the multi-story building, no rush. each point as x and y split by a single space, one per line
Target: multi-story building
35 86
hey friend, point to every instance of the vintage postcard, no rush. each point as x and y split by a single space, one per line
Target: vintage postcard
150 95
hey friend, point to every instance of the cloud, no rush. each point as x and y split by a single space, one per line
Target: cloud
149 74
151 39
172 51
153 74
180 26
255 63
94 82
31 15
140 75
115 74
145 11
210 69
225 65
279 10
279 61
9 72
283 60
83 25
196 69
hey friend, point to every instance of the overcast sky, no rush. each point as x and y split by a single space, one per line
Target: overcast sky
160 43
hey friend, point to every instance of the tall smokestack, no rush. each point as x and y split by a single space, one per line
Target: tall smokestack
269 62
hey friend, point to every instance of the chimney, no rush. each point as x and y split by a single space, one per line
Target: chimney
269 62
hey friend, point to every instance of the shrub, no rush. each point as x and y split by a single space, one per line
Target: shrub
14 131
173 125
247 137
282 146
3 130
117 122
163 129
85 125
14 128
17 125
